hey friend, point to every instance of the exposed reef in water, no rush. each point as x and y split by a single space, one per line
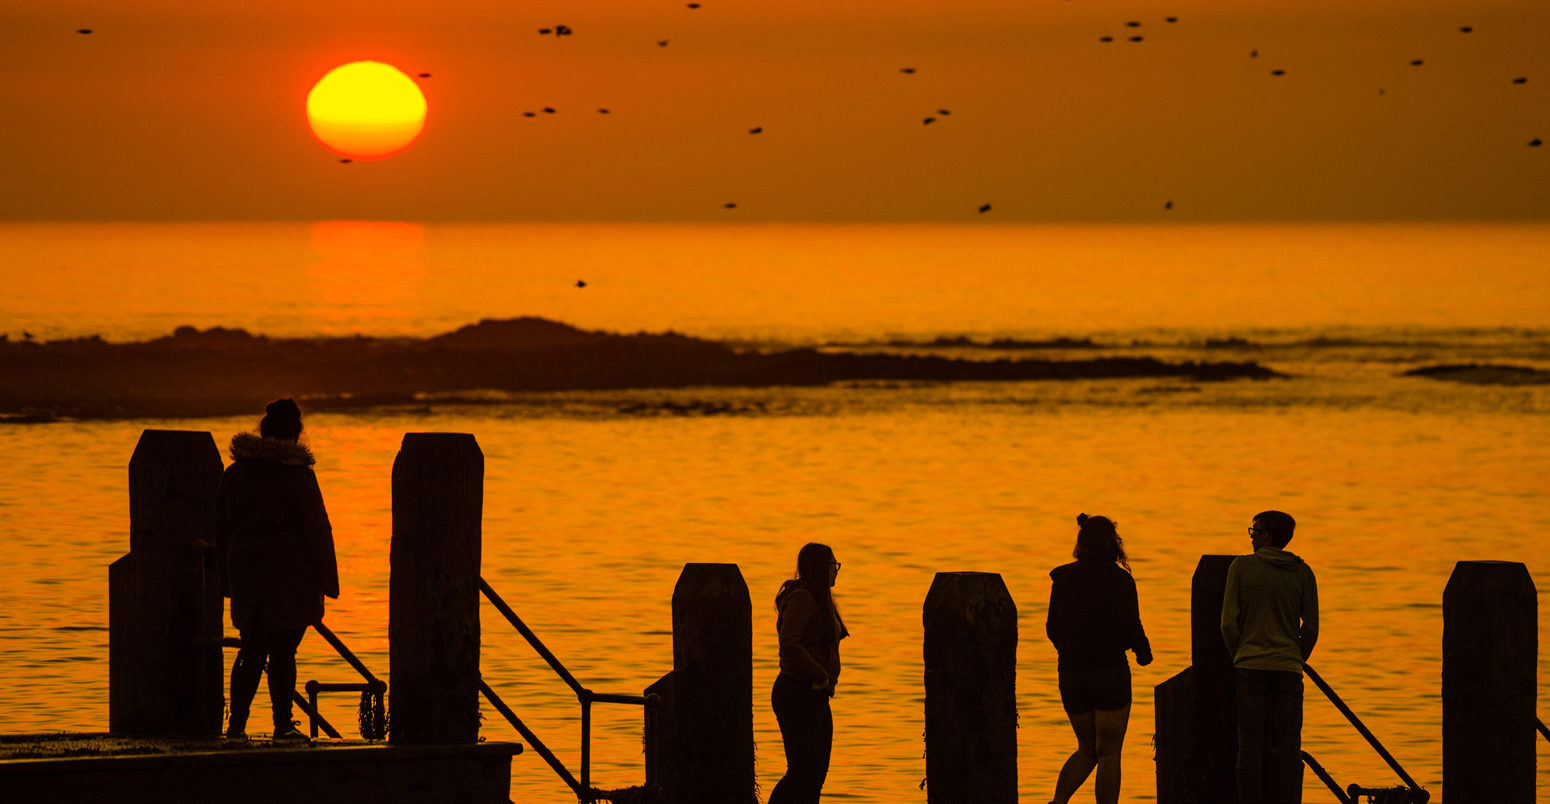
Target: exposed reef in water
1483 374
219 372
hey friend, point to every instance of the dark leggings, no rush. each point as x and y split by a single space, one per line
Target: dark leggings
807 729
277 646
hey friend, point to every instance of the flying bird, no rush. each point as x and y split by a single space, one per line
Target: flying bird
562 30
425 75
543 31
694 5
1170 19
984 208
661 43
1105 39
928 121
1135 38
83 30
529 114
602 111
1466 29
1520 80
1253 54
580 283
1168 204
730 205
26 336
1278 72
1416 63
1132 24
548 110
907 70
1534 143
346 161
756 130
943 112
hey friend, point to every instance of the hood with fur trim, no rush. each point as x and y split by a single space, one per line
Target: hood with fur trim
250 447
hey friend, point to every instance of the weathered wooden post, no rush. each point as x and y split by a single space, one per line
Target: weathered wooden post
433 609
1490 655
164 598
709 753
971 677
1197 724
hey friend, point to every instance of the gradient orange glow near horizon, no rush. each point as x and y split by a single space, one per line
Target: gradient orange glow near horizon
366 110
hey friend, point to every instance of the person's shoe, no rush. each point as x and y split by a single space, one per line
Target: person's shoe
289 734
236 736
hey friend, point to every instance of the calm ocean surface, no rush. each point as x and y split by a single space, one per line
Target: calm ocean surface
595 500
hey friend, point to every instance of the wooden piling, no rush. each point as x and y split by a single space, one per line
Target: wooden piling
1490 647
971 705
710 758
433 609
165 670
1197 724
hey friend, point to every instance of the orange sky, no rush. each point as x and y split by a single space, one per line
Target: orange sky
186 109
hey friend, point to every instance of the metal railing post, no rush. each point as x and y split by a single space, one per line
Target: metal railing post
1360 728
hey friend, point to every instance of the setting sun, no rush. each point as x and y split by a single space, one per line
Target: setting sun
366 110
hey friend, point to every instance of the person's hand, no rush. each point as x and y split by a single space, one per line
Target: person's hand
822 683
1144 658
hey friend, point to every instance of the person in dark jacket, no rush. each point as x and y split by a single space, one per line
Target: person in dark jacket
1094 617
276 552
810 632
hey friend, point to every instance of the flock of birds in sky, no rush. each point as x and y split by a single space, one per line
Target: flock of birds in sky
558 31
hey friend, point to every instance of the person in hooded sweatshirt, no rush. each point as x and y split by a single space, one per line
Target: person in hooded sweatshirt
810 632
1270 622
1094 617
276 552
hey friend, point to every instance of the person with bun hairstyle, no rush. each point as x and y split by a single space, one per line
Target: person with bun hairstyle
276 551
810 632
1094 617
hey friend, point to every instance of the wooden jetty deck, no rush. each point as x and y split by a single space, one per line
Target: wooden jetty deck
68 768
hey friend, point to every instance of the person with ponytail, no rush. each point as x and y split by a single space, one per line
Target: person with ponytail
810 632
1094 617
276 551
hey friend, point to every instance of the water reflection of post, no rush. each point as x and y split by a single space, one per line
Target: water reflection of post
433 608
971 702
1490 641
164 599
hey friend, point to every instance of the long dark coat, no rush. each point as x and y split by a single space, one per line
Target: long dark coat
275 543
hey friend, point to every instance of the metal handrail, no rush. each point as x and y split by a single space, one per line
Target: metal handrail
1360 727
1329 781
1542 730
585 697
309 705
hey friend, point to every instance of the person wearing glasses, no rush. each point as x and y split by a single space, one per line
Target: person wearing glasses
810 632
1094 617
1270 622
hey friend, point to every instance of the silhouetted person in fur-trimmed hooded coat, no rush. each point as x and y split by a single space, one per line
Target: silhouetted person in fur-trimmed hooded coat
277 560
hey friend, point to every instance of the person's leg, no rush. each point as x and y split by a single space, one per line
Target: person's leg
1110 727
282 673
794 714
823 743
1253 709
1286 702
245 673
1081 763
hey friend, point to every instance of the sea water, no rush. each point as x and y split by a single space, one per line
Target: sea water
594 500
